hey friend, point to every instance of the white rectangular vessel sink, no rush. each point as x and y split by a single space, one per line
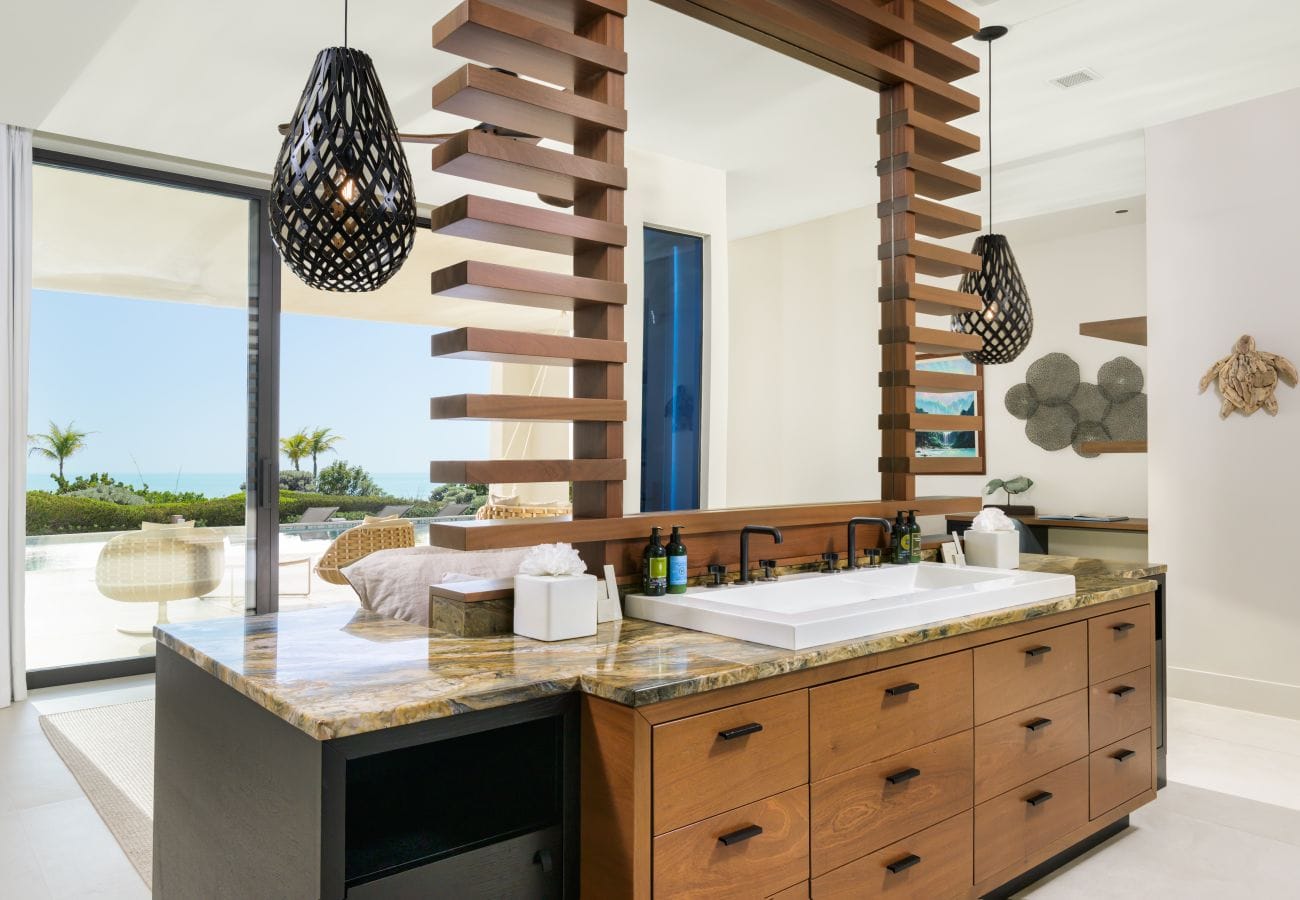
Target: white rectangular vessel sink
801 611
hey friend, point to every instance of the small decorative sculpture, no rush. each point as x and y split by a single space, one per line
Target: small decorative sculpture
1248 377
1017 485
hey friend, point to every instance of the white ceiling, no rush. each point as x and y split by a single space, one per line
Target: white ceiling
209 82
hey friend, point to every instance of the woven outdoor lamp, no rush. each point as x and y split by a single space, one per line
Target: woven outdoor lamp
1006 321
342 201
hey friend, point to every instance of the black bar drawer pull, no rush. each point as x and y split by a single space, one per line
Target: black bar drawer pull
1121 627
900 777
740 731
1124 755
1039 799
1123 690
906 862
1038 724
899 689
740 834
1038 651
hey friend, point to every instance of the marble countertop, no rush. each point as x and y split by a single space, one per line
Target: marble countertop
338 671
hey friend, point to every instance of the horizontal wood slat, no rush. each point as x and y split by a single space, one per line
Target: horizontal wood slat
932 219
508 102
520 164
932 259
928 422
946 19
934 465
876 24
1127 331
932 340
516 225
521 408
495 345
493 34
568 14
933 139
931 300
1113 446
937 180
526 471
493 283
933 382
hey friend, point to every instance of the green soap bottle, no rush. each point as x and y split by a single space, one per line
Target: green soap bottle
676 562
656 565
901 541
914 532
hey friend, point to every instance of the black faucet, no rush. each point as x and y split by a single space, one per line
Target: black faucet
853 534
744 547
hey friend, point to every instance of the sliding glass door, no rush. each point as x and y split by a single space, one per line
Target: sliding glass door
145 379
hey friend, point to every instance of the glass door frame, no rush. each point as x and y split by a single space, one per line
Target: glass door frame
262 462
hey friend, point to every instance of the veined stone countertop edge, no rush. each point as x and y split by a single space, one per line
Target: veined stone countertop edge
337 671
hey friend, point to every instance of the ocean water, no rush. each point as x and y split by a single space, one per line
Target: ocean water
412 485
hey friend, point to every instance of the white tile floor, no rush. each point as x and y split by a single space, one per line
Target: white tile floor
1227 827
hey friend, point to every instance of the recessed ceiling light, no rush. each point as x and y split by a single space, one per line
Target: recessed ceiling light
1074 79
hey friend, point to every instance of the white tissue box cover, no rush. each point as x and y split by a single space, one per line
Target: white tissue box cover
555 607
993 549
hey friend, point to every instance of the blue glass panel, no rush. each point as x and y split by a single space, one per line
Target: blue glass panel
672 372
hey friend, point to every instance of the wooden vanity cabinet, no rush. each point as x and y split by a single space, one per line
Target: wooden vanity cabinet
941 770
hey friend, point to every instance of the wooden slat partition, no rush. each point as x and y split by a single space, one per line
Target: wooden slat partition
519 164
493 283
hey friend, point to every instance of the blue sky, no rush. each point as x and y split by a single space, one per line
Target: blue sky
163 386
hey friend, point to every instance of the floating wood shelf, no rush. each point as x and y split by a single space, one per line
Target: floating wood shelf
566 14
1127 331
526 471
1113 446
936 180
928 422
492 283
493 345
518 164
931 138
516 225
933 382
508 102
931 300
936 341
934 465
932 259
493 34
931 219
522 408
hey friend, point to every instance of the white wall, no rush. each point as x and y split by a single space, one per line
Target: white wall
1222 193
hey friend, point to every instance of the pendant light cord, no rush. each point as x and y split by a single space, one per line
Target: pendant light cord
345 29
990 136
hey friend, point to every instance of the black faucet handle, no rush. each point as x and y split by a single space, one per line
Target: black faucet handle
832 561
719 574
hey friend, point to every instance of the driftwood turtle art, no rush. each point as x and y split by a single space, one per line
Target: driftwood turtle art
1247 378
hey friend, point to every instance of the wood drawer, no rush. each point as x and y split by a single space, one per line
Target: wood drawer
872 716
1120 642
694 862
942 870
706 764
859 811
1009 752
798 892
1010 827
1029 669
1119 707
1119 772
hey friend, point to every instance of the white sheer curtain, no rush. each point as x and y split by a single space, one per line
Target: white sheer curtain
16 290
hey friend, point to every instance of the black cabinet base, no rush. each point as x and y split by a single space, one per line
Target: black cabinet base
1051 865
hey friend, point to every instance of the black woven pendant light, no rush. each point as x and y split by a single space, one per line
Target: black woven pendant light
342 202
1006 322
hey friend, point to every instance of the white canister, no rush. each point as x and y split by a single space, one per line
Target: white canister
993 549
555 607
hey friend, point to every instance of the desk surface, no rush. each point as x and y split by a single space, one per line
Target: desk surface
1138 525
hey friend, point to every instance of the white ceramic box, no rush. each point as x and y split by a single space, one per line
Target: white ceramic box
555 607
993 549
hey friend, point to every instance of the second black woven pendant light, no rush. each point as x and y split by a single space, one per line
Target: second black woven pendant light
342 202
1006 321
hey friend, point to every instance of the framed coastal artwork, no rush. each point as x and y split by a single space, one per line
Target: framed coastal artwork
953 444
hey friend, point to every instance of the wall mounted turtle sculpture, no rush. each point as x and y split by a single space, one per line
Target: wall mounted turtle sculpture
1248 377
1061 410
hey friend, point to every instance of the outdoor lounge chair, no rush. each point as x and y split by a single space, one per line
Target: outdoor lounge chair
361 541
451 509
396 509
314 515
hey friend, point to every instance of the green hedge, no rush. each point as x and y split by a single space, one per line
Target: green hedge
60 514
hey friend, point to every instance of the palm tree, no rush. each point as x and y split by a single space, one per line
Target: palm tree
318 442
295 446
58 444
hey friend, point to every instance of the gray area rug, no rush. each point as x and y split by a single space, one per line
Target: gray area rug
109 750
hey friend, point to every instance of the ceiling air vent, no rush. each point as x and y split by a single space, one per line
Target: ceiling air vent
1074 79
